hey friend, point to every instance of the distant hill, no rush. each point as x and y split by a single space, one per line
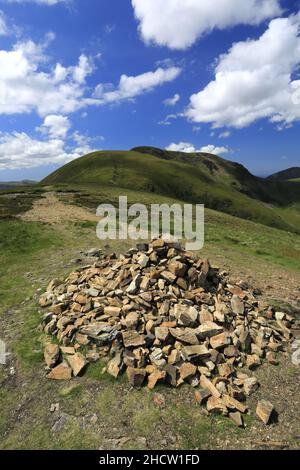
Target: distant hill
285 175
13 184
193 177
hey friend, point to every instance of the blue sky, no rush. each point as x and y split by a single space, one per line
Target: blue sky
218 76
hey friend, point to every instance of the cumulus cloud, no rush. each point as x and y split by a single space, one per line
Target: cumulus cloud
254 80
214 150
131 86
56 126
178 24
190 148
19 150
25 86
172 101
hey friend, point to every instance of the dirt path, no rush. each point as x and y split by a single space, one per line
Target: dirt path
51 210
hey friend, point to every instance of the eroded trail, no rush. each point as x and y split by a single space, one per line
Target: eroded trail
51 210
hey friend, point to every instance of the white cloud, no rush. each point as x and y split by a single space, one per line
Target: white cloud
225 135
25 86
179 23
190 148
56 126
131 86
254 80
3 25
182 147
19 150
172 101
83 69
214 150
167 120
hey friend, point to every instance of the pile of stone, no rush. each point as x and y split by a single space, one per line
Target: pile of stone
164 315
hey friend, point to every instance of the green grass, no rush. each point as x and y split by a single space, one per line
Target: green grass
71 391
197 178
221 230
18 200
45 252
21 244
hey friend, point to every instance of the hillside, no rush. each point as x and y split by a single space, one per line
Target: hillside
198 178
15 184
285 175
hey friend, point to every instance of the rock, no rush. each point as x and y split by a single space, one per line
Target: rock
169 277
186 335
253 361
205 315
143 261
136 377
93 252
187 370
250 385
207 384
237 419
142 247
161 333
264 411
60 372
237 305
51 354
220 341
157 358
177 268
195 352
185 315
163 314
171 375
67 349
233 404
174 356
231 351
159 243
112 311
113 366
77 362
131 320
279 316
93 292
54 407
134 285
208 329
225 370
154 377
245 340
132 339
201 395
216 405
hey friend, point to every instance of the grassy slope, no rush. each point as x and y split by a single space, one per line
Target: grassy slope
197 178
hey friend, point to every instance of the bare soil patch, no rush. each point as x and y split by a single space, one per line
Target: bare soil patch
49 209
